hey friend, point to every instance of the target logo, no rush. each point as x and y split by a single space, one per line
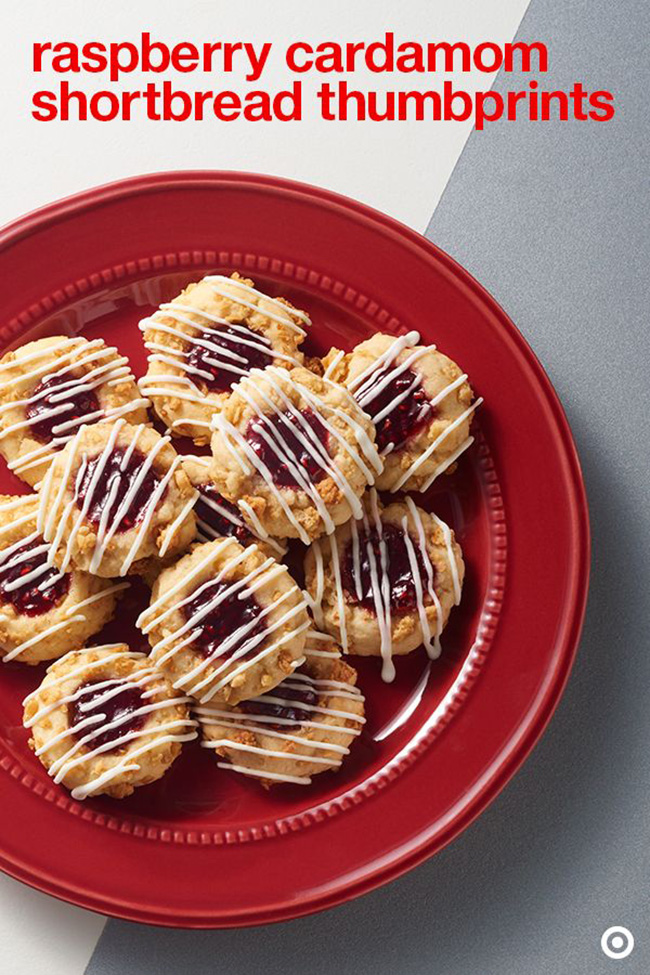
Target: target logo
617 942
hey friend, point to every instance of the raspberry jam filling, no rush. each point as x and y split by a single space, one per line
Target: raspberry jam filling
119 705
403 595
120 479
37 595
407 417
78 403
290 710
216 523
240 356
225 618
279 436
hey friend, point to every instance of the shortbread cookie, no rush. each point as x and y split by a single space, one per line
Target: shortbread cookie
206 339
44 613
420 402
294 452
218 518
226 622
116 495
302 727
50 387
103 721
386 584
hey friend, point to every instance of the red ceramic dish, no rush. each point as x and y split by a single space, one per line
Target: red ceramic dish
204 849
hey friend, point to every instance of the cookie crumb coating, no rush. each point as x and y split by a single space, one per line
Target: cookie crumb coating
115 496
304 726
226 623
294 452
44 613
103 721
385 584
207 339
49 387
420 401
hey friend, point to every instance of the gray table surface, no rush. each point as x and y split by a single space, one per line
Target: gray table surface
552 218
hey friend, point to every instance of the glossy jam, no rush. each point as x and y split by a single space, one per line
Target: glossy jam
290 710
210 361
228 616
403 596
79 403
213 523
408 417
36 597
124 474
120 705
282 425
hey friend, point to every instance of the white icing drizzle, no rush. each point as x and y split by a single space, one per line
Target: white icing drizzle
207 533
213 672
11 557
264 405
320 719
82 750
424 586
211 337
99 370
54 517
417 463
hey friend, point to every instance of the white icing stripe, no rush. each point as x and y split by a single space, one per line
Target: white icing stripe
282 314
82 751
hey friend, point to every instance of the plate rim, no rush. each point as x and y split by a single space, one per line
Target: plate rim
534 722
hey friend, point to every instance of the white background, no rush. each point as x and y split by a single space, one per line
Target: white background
401 168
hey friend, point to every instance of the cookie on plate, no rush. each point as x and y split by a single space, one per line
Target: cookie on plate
302 727
420 401
115 496
218 518
385 584
50 387
294 452
103 721
206 339
44 613
226 622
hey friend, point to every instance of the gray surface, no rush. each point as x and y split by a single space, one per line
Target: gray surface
552 219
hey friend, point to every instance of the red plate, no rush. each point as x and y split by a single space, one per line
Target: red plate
204 849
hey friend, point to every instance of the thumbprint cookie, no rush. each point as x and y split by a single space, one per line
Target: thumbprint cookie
50 387
302 727
295 453
116 495
226 622
218 518
44 612
103 721
206 339
386 583
420 401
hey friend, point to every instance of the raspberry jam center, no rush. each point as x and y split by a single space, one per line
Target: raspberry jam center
230 618
403 594
119 705
408 417
121 486
63 401
286 441
287 698
43 587
213 523
227 358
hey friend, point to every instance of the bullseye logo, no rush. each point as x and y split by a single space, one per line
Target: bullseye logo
617 942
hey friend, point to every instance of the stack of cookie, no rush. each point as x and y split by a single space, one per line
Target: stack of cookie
241 653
